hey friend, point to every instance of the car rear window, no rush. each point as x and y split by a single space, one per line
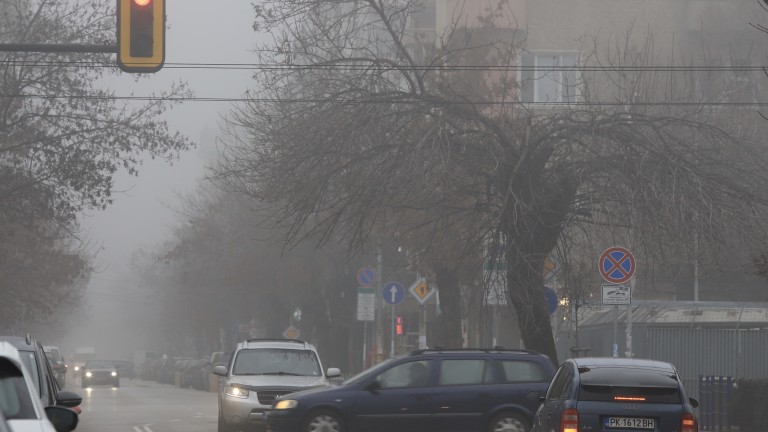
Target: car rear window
629 385
663 395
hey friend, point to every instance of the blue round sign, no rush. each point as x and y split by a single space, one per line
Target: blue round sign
393 293
551 299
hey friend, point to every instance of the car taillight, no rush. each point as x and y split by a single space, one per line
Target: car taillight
569 421
688 423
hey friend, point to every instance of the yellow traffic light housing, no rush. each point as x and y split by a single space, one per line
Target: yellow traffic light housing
141 35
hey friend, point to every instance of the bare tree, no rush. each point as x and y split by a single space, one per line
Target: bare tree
61 137
352 132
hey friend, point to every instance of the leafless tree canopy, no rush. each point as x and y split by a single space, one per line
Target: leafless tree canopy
363 127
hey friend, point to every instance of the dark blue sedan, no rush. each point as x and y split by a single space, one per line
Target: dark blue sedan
427 390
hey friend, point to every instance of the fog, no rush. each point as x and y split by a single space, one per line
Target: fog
119 312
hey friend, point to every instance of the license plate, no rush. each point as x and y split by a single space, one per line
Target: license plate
630 423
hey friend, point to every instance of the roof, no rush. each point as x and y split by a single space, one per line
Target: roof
744 315
20 343
9 351
276 343
596 362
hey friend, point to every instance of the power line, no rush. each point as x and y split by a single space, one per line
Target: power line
377 101
386 67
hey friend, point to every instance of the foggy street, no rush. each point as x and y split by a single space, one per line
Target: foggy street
145 406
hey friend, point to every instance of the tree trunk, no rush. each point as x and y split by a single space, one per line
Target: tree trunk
449 321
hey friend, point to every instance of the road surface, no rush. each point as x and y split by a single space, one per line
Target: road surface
145 406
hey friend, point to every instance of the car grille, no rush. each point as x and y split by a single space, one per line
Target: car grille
266 397
101 375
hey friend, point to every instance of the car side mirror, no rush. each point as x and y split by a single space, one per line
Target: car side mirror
694 402
63 419
220 371
374 386
333 373
68 399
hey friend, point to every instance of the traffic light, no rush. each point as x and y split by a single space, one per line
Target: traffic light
141 35
399 325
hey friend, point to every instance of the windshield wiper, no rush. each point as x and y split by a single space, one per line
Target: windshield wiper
283 373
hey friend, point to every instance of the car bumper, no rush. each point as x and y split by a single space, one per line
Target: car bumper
283 421
243 411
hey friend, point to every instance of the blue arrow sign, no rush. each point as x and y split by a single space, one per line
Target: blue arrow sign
393 293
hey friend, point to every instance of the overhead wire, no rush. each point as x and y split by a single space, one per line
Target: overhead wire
359 66
376 101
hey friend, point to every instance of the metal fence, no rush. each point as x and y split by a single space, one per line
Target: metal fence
715 394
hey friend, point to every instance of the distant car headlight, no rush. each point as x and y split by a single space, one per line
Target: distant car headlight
114 373
88 374
286 404
77 368
236 392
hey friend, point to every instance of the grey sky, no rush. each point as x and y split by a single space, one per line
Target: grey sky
200 31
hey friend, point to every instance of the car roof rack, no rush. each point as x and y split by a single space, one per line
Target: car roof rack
306 344
494 349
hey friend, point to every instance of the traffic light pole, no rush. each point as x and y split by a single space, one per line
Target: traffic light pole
58 48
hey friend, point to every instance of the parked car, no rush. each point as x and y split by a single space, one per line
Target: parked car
57 363
260 371
616 394
43 377
457 390
100 372
21 409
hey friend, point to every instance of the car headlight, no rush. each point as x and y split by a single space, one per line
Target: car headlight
286 404
114 373
88 374
77 368
236 392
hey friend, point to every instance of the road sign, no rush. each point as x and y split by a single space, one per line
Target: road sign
616 265
551 296
421 291
616 294
551 268
291 333
393 293
366 303
366 276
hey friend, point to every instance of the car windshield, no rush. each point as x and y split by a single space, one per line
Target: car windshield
28 358
275 361
15 400
99 364
53 354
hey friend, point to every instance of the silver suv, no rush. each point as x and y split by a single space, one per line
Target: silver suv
259 371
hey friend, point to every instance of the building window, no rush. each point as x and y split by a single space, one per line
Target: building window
547 77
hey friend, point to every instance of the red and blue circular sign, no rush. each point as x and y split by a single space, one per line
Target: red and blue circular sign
617 265
366 276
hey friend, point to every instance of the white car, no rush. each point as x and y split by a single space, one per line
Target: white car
24 413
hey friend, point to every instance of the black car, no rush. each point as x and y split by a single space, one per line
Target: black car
458 390
616 394
100 372
33 356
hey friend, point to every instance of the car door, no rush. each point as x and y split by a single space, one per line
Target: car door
398 399
544 420
465 392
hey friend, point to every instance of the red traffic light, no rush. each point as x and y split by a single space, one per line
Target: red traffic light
399 325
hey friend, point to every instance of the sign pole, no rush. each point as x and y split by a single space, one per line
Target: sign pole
423 327
392 337
365 342
615 331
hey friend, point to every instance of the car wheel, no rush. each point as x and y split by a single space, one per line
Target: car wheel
508 422
323 421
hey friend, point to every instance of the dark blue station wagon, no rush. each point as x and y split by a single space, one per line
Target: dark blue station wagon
428 390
